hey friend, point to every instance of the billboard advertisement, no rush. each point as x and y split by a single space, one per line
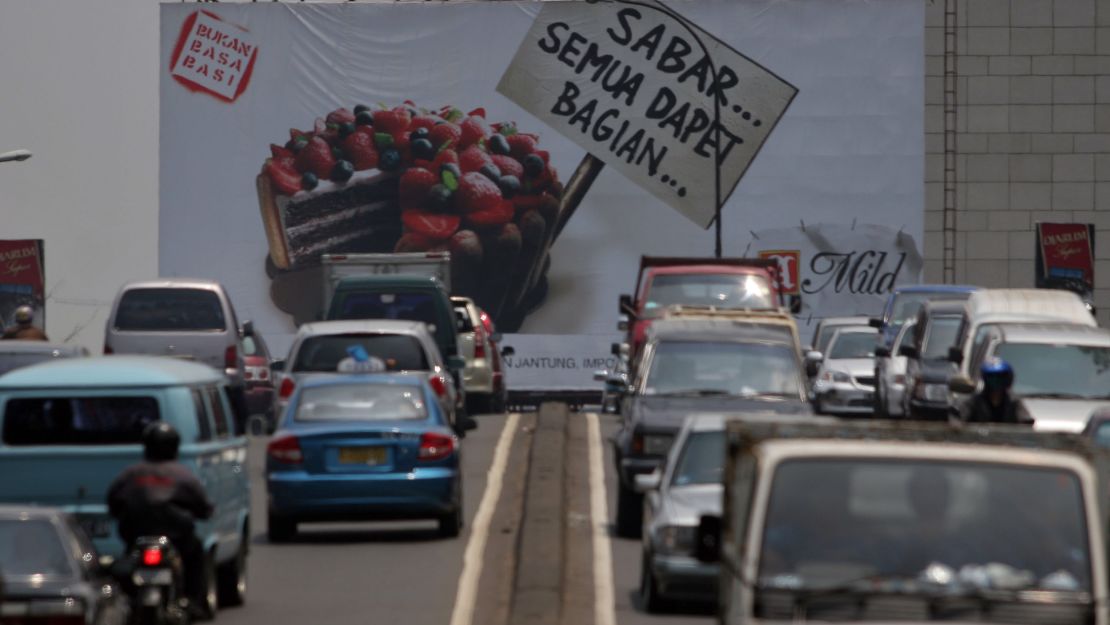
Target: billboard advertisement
22 279
1065 256
545 146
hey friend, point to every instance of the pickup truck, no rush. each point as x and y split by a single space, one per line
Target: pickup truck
727 283
859 522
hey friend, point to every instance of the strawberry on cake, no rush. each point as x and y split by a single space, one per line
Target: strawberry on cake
409 180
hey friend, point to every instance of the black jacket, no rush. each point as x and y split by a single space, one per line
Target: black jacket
978 409
157 498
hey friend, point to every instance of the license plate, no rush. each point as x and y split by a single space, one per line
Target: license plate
97 528
152 577
366 456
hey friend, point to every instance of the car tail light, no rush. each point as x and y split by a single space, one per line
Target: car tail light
286 450
152 556
248 374
435 446
231 357
287 386
263 373
487 323
108 350
438 384
637 443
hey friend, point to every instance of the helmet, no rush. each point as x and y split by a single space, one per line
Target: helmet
160 442
24 315
997 374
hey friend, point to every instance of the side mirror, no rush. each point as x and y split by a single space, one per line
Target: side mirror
626 307
496 337
909 351
622 324
456 363
955 354
647 482
277 365
961 384
508 351
882 351
707 543
875 322
248 328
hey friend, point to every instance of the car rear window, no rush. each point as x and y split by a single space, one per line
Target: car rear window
360 402
33 547
400 352
462 316
170 310
420 306
78 420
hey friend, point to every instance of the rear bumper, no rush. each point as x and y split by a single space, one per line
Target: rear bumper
847 399
478 378
684 577
423 493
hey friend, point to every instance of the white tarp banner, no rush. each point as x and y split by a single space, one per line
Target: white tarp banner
249 202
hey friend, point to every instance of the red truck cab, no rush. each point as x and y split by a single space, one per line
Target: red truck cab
725 283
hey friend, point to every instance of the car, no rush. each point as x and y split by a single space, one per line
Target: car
822 334
927 366
482 379
53 573
905 301
890 374
880 521
363 447
741 361
993 307
1061 371
404 346
69 427
16 354
728 283
259 380
676 496
184 318
500 398
845 384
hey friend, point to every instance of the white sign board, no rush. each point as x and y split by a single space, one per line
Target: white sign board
651 94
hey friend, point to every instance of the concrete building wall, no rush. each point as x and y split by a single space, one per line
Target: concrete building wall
1033 134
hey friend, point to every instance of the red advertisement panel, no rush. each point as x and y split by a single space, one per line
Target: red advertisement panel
1066 250
22 278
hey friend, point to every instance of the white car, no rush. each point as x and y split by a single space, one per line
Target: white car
477 347
890 373
845 382
403 346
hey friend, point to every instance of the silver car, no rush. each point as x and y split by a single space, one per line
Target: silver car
890 373
822 334
403 346
846 381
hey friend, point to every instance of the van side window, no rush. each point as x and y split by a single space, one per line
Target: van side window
218 414
204 426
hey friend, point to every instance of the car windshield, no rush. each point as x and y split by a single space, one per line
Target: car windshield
170 310
852 345
826 333
723 367
830 521
702 459
462 317
942 335
706 289
252 347
1044 368
418 306
31 547
360 402
907 305
399 352
77 420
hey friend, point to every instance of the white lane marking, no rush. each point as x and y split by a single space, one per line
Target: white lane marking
599 512
467 593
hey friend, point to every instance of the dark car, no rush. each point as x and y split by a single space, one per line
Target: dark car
927 364
691 366
52 573
258 378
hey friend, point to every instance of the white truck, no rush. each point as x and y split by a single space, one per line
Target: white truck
339 266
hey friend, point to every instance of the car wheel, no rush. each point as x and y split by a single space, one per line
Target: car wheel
280 530
233 577
650 599
630 512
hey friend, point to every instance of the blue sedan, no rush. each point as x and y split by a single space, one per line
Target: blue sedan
361 448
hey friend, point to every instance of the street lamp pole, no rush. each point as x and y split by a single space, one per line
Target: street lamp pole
15 155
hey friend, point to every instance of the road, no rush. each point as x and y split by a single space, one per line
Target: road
402 572
361 573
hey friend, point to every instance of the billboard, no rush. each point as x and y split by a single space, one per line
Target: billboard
1065 256
545 145
22 279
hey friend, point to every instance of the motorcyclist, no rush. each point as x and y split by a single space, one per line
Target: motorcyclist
24 328
994 403
162 497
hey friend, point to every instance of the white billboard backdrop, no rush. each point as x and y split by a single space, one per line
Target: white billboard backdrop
848 148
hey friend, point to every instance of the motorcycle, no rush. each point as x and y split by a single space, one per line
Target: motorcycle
156 583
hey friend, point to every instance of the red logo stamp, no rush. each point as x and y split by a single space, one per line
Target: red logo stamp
788 268
213 56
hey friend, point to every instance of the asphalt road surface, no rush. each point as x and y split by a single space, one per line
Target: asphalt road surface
357 574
